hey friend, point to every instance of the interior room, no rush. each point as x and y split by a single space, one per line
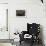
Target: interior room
22 22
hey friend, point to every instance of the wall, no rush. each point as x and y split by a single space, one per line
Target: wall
35 12
28 6
3 1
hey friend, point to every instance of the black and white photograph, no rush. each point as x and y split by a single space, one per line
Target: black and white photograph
22 22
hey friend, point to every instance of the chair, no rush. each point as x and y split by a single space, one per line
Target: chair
33 30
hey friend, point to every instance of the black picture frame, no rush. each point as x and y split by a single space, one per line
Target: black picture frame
20 13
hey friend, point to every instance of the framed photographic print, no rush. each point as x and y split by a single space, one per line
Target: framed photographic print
20 13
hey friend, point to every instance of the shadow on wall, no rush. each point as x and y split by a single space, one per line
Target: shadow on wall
41 35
